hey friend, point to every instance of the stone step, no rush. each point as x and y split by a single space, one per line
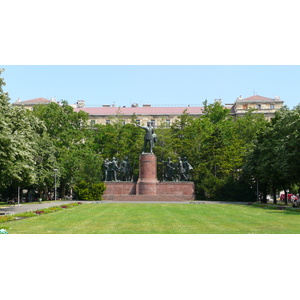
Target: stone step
150 198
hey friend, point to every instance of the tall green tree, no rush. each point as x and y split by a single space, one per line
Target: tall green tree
17 144
74 143
275 156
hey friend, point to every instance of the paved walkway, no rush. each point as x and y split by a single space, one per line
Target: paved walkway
14 209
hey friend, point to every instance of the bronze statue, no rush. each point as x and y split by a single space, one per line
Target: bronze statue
150 137
187 168
125 170
181 176
169 170
106 169
113 168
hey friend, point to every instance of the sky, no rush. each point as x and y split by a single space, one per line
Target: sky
158 85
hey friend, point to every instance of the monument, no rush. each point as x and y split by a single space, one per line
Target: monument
146 184
147 187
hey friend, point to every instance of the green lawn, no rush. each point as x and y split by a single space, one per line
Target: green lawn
159 218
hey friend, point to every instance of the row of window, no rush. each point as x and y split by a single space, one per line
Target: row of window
258 106
153 122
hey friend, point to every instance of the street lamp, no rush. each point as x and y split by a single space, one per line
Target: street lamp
18 196
55 170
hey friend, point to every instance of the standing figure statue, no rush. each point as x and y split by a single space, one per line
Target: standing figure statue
106 169
150 137
180 171
169 175
128 170
113 168
125 170
187 168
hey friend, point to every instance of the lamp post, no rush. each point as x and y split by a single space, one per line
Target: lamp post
55 170
257 193
18 196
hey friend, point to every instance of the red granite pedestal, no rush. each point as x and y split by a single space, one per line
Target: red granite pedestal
147 181
118 189
147 188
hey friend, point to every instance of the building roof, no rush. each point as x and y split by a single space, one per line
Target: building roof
129 111
33 101
259 98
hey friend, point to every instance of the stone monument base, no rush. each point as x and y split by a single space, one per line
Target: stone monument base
118 189
165 191
147 188
182 189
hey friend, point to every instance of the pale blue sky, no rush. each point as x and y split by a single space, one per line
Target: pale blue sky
157 85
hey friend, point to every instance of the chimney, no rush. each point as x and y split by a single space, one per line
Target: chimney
80 103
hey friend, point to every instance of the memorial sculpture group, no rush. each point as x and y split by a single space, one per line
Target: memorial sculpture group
178 171
175 183
113 172
171 171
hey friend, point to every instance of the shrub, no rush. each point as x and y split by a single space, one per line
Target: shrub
89 191
6 218
55 208
26 214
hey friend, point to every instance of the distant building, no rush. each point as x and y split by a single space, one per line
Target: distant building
262 105
29 104
142 114
168 115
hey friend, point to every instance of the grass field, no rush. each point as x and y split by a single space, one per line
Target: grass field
159 218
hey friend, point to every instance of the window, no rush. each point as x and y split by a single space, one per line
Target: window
272 106
245 106
153 123
93 122
123 122
168 122
107 121
258 106
138 121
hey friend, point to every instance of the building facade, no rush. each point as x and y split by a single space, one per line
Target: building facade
141 115
159 115
259 104
29 104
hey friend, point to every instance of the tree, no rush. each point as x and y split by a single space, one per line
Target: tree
89 191
221 151
74 144
17 144
274 159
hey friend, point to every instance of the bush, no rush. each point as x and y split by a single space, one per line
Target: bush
6 218
89 191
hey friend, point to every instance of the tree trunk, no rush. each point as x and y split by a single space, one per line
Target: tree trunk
265 197
274 195
285 197
264 200
46 193
63 190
